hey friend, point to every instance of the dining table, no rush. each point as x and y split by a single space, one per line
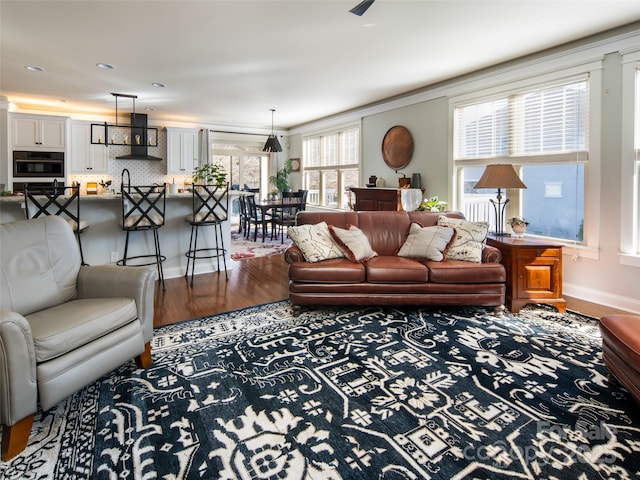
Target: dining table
273 206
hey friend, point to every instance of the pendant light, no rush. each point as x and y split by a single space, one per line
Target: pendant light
272 144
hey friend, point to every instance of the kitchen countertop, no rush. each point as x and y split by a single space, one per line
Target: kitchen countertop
90 198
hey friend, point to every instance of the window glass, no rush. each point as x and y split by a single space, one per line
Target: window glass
553 202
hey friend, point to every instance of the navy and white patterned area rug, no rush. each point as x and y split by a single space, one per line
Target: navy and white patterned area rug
346 392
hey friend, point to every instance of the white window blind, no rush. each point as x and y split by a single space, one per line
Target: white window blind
545 122
331 165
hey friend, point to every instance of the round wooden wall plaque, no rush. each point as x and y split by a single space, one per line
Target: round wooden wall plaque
397 147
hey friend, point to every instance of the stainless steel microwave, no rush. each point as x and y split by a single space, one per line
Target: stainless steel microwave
38 164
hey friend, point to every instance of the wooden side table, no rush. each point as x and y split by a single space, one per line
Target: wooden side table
534 271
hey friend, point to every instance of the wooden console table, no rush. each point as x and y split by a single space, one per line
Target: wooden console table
534 271
387 199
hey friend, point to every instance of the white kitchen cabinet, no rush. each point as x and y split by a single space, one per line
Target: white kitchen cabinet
83 156
38 132
182 150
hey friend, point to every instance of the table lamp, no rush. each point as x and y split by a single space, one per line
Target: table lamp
499 176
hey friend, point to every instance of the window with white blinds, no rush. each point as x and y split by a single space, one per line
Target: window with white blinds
331 165
549 123
542 131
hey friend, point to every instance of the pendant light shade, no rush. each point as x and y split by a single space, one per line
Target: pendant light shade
272 144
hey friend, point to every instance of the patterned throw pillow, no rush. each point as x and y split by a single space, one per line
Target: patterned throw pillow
353 242
468 240
427 242
315 242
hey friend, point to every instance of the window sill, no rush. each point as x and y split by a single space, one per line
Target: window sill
630 260
576 251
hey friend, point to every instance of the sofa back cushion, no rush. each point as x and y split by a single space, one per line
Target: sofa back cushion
386 231
39 264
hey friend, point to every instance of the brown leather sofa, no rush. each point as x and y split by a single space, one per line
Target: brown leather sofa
387 279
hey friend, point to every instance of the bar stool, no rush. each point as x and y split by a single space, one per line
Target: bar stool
210 209
57 200
142 210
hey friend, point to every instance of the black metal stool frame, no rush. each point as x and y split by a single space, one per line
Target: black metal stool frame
210 209
56 201
143 210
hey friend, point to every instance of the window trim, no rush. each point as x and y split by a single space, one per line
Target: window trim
590 248
629 182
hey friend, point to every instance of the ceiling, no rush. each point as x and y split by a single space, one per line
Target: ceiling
230 62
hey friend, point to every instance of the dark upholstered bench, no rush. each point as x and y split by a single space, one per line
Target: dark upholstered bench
621 350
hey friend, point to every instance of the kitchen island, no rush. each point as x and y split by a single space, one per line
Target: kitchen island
103 241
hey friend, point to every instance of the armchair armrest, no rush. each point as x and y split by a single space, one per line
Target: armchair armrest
293 254
491 254
18 387
104 281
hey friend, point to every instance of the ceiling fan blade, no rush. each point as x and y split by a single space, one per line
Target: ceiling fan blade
362 7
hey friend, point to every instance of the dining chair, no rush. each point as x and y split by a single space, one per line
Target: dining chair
242 216
210 207
63 201
284 216
256 217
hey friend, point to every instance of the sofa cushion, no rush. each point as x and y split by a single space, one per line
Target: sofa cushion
336 270
353 242
427 242
65 327
392 269
468 241
459 271
315 242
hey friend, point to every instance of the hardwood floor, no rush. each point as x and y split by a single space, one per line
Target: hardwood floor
253 281
256 281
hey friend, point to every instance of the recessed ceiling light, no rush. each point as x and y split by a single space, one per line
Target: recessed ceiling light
149 109
34 68
62 100
106 66
159 85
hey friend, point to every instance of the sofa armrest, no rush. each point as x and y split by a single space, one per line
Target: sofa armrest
104 281
491 254
293 254
18 385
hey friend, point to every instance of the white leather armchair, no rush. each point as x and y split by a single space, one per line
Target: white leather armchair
62 325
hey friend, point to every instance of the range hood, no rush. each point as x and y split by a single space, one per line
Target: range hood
138 139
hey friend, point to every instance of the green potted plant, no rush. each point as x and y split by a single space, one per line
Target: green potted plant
210 174
281 179
433 204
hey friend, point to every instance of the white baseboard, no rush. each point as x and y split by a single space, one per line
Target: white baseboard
201 267
602 298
